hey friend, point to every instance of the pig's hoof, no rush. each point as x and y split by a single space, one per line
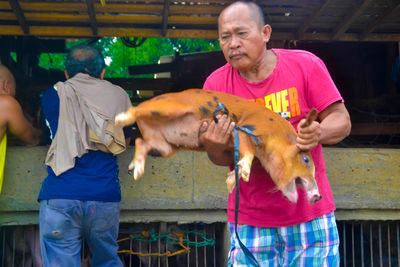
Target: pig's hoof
244 170
245 175
137 168
231 181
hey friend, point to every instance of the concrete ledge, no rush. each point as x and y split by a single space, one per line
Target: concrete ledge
187 187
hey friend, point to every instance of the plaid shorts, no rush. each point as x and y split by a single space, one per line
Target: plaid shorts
314 243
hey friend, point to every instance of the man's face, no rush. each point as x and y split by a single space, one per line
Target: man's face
242 40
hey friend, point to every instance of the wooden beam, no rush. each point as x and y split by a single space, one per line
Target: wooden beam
118 8
92 16
50 18
375 129
83 32
303 28
386 13
8 16
5 5
165 14
20 15
348 20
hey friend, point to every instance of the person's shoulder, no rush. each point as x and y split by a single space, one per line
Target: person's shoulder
49 92
8 102
9 107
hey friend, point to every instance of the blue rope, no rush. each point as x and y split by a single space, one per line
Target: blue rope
246 251
221 106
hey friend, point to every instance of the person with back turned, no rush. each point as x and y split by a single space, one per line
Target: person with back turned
80 197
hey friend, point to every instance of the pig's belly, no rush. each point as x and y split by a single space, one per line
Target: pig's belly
182 132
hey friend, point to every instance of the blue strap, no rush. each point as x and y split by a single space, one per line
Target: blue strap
246 251
249 132
221 106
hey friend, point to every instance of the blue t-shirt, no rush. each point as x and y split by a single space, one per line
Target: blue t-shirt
94 176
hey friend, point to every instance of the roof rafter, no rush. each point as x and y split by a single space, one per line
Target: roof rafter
92 16
165 14
303 28
348 20
386 13
20 15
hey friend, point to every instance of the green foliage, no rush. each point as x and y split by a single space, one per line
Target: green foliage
118 56
13 56
52 60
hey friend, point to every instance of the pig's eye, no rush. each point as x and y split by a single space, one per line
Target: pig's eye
306 159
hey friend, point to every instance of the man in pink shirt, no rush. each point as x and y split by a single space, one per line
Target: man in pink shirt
290 82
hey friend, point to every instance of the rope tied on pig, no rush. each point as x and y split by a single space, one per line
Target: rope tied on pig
255 138
220 107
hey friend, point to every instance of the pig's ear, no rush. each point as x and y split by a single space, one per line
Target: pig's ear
311 116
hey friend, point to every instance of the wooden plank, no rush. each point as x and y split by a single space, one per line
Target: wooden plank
4 5
111 19
78 7
121 19
185 20
20 15
198 10
151 8
172 33
60 31
11 30
387 13
375 128
151 68
165 14
49 18
7 16
348 20
92 16
303 28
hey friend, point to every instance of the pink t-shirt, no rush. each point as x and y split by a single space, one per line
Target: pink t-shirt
299 82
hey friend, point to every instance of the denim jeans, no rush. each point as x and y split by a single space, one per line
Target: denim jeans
63 223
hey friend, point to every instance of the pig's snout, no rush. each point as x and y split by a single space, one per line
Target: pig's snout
313 194
315 198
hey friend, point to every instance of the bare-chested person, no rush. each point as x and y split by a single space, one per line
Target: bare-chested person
11 115
12 118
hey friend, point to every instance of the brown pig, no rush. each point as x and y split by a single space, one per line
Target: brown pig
171 122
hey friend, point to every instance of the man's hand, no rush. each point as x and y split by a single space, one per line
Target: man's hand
215 138
333 127
308 136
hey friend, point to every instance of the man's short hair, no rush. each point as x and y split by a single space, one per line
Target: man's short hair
256 11
84 59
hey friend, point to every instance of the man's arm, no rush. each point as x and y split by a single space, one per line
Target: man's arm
334 126
17 124
215 139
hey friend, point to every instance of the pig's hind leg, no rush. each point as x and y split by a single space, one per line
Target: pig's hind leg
137 165
156 148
